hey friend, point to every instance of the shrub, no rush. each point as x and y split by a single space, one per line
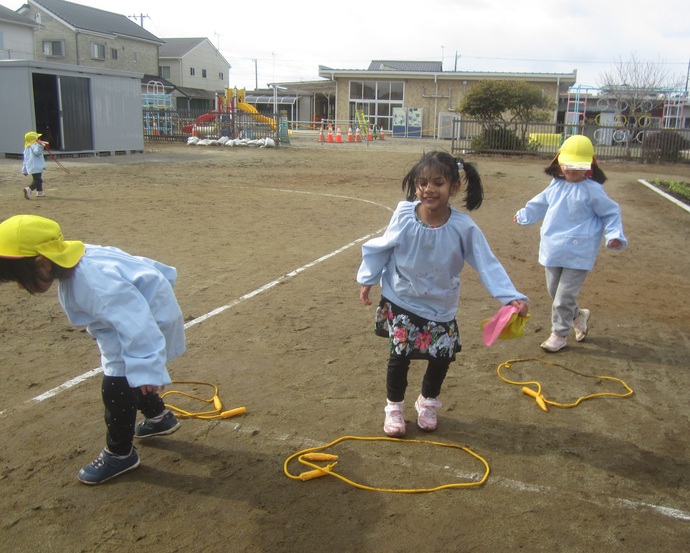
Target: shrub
664 146
498 138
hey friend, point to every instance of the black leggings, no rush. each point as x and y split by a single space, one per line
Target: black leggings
121 403
36 182
396 380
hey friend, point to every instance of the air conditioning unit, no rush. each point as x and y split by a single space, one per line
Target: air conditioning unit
445 124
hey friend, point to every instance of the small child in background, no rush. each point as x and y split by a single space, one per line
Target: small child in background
128 305
576 212
418 262
34 163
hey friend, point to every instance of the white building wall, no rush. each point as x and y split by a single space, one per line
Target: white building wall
17 42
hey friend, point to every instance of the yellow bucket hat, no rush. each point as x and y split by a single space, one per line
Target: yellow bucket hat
32 235
30 138
577 153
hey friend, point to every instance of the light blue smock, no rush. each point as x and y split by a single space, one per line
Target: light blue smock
34 162
419 267
128 305
576 215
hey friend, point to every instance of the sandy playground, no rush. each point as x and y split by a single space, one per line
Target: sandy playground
267 244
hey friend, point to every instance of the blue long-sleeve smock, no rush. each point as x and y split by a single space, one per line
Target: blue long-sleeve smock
128 305
34 162
419 267
576 215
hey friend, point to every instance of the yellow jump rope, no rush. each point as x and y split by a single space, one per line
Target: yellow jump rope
307 457
538 396
215 413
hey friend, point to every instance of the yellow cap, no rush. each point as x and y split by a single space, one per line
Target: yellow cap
30 138
32 235
577 153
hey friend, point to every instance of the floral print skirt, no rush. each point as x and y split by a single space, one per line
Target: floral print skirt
415 337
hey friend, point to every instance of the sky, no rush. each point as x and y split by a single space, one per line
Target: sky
268 41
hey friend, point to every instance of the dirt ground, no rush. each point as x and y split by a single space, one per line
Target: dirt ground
273 238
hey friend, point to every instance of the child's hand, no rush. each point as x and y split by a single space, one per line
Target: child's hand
614 244
364 295
522 306
150 389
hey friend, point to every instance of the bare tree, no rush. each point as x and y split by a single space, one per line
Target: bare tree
635 88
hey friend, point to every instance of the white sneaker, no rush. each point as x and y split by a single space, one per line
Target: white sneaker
426 412
580 324
27 193
554 343
40 194
394 425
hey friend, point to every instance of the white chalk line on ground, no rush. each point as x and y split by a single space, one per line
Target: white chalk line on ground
508 483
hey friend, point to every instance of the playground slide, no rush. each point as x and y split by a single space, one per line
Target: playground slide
260 118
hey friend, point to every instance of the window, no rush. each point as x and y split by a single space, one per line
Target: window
54 48
203 73
192 71
220 76
97 51
113 53
2 42
164 71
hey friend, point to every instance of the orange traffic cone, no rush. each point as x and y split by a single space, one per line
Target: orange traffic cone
321 138
358 135
370 137
330 133
350 138
338 135
381 134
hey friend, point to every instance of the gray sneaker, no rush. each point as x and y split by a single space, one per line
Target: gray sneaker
580 324
162 425
27 193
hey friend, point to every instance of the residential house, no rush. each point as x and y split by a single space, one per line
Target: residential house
80 35
16 35
196 68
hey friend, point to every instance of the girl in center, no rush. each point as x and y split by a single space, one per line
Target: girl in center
418 262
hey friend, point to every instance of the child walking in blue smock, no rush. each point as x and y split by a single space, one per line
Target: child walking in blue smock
418 262
34 163
577 213
128 305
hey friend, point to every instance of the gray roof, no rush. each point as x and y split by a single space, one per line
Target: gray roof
178 47
7 14
388 65
93 19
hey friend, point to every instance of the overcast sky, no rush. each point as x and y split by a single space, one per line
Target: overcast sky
276 41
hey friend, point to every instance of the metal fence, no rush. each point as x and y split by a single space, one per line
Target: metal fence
642 144
163 124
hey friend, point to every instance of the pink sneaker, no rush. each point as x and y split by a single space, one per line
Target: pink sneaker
426 412
554 343
394 425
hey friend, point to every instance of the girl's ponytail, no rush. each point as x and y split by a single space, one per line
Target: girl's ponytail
474 191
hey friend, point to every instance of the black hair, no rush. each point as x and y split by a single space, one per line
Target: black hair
24 271
449 167
554 170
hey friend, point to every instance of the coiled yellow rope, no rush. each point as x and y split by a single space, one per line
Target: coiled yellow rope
217 411
542 402
307 456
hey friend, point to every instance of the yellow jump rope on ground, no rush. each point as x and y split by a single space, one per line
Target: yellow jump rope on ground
308 456
542 402
217 411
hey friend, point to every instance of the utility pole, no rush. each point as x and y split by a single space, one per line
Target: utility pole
256 74
140 17
456 60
